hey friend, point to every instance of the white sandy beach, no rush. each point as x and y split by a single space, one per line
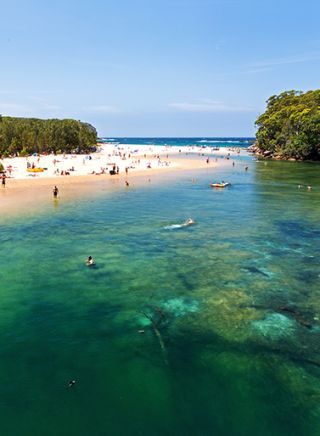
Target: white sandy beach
77 175
134 158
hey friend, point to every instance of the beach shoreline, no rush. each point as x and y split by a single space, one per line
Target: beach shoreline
147 164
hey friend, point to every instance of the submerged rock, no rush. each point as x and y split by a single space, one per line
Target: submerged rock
180 306
255 270
274 326
299 317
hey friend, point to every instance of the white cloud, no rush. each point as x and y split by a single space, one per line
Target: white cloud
207 105
287 60
257 70
272 64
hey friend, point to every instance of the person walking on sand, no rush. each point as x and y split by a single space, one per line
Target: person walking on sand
55 192
3 180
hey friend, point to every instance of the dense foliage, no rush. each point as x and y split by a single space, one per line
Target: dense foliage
290 127
31 135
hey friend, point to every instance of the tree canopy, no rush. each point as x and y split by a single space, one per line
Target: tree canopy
32 135
290 126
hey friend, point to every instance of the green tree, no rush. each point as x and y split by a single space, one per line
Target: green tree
29 135
290 126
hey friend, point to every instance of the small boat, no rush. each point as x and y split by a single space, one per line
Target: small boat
219 185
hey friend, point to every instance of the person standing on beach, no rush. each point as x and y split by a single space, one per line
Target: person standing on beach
3 178
55 192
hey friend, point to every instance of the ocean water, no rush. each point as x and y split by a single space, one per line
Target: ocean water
209 329
183 142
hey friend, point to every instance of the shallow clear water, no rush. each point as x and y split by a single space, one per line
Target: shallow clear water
229 307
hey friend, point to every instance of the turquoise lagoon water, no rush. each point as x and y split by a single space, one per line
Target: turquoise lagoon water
229 307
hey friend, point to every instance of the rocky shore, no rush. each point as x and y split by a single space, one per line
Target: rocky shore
269 154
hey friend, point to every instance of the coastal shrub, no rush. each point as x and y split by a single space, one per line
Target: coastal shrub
24 152
32 135
290 126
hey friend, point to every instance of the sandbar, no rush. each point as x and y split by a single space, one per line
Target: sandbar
87 175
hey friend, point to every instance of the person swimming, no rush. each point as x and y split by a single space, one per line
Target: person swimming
90 261
186 223
189 222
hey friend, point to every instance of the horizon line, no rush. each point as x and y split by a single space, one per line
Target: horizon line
176 137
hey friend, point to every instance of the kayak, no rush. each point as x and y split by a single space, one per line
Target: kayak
35 170
219 185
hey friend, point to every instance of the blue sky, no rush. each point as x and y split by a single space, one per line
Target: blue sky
156 67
